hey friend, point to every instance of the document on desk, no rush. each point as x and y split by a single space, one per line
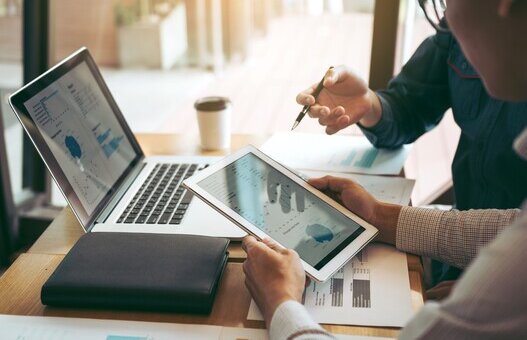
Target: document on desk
14 327
44 328
373 289
349 154
395 190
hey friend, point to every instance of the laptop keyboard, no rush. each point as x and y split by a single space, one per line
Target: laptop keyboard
161 199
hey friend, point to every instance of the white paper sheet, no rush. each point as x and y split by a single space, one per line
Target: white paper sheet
373 289
349 154
395 190
45 328
14 327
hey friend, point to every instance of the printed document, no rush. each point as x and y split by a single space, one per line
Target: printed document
395 190
45 328
349 154
373 289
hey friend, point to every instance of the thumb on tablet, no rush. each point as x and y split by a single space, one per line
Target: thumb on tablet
273 245
249 242
336 184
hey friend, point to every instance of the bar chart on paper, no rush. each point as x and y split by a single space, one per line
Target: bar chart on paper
347 154
371 290
361 293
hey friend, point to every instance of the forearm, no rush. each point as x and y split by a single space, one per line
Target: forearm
487 302
453 237
415 99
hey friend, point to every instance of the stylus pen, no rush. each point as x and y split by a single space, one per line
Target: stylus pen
315 94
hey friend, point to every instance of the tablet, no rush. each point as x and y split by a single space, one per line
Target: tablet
268 200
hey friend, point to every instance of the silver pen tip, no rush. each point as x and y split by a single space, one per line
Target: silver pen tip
294 125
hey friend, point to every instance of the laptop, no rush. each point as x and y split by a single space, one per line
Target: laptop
92 154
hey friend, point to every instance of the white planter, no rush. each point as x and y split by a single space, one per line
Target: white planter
154 44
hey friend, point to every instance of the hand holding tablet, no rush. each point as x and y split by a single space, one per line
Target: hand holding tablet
269 201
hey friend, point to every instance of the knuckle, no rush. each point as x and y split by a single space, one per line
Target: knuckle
294 254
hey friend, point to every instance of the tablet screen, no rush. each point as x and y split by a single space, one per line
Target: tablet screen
284 210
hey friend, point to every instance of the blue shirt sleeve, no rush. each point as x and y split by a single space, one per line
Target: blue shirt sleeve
417 98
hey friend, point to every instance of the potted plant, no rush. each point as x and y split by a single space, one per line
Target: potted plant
151 33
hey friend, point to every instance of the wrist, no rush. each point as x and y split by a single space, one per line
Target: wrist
371 118
385 219
271 308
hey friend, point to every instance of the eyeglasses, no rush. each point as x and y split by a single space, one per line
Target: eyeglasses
434 12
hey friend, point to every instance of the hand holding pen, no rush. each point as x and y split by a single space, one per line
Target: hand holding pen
343 99
315 94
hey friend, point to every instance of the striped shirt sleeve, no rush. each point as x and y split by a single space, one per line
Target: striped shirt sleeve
454 236
291 321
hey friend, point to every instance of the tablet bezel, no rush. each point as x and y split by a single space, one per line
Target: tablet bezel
329 268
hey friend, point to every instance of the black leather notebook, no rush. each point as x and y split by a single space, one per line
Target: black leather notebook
161 272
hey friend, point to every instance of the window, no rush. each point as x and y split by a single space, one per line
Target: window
159 56
11 71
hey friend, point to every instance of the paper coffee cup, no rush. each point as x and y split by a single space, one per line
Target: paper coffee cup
214 120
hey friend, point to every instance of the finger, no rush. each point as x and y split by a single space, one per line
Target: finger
248 242
334 75
319 182
304 98
318 111
343 122
308 281
273 245
331 116
307 92
336 184
334 115
255 249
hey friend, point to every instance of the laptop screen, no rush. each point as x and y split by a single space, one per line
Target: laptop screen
79 132
83 134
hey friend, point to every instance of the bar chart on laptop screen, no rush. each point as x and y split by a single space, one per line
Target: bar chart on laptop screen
83 134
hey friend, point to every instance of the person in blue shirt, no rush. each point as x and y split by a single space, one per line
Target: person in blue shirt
486 172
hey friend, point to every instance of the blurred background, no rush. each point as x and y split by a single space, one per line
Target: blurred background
159 56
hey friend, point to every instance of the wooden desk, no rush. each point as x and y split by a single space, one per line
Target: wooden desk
20 285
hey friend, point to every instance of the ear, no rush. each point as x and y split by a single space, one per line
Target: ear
505 8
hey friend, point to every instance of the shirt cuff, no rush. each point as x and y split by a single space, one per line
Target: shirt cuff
291 320
418 230
376 132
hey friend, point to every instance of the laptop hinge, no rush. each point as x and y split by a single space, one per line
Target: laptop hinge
121 191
